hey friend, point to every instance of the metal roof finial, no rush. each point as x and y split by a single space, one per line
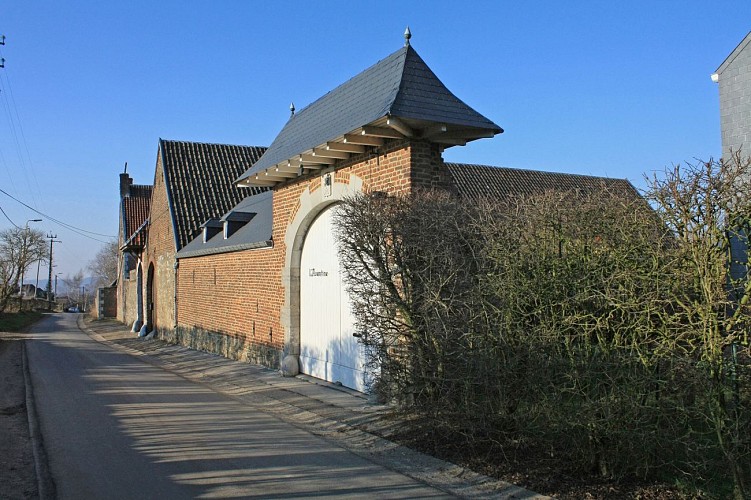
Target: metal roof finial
407 36
292 108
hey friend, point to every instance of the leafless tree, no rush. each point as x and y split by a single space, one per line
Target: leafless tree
19 247
74 285
104 265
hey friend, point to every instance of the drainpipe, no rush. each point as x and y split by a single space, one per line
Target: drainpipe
176 266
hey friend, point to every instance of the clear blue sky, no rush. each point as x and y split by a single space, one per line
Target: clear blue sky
617 89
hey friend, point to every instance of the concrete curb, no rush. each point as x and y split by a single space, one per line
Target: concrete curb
45 483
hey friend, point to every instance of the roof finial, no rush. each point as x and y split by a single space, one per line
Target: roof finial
126 168
292 108
407 36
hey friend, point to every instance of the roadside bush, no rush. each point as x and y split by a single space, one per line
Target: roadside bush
583 323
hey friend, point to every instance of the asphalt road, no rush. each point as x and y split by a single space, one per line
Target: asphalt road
116 427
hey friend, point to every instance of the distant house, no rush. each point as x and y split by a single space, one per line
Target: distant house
265 272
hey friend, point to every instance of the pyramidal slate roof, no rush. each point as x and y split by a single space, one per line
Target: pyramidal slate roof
484 181
135 211
401 86
199 180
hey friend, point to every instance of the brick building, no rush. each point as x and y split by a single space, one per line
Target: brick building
134 213
231 250
261 282
192 182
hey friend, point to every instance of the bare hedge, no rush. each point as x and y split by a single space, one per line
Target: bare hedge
583 323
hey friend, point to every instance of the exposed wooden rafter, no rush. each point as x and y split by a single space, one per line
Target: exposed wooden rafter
273 176
257 180
327 153
277 172
363 140
307 159
399 126
341 146
384 132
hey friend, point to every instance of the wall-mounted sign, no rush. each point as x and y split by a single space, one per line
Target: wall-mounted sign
326 183
313 272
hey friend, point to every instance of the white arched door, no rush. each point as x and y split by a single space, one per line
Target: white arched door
328 350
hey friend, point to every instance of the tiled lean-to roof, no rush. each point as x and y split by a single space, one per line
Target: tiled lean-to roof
401 88
199 179
484 181
135 211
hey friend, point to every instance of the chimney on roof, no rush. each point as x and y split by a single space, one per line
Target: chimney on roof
125 183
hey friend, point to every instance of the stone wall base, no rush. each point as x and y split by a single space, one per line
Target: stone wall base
224 345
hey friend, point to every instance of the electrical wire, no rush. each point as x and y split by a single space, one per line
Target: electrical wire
7 171
70 227
16 127
9 220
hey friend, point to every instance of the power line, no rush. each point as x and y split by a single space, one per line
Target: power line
7 170
75 229
6 216
17 132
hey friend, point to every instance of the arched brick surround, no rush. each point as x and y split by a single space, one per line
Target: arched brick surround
310 205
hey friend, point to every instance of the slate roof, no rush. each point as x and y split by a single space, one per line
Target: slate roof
199 179
254 234
135 211
484 181
401 85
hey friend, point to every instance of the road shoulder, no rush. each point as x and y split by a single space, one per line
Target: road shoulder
17 468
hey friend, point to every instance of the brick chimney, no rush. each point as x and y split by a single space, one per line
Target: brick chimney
125 183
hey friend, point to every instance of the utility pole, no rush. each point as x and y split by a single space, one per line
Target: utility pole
52 239
24 247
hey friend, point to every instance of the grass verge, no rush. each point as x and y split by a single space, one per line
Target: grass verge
19 321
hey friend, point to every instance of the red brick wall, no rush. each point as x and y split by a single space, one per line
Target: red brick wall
241 294
110 302
160 251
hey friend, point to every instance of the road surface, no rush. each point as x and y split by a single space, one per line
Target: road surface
116 427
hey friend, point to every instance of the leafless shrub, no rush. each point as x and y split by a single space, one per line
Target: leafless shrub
584 323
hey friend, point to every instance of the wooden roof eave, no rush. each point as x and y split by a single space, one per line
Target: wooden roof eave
324 155
358 141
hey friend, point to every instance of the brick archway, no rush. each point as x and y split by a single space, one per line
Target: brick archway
150 299
139 294
311 205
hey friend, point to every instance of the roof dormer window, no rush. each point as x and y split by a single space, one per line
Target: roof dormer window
211 228
233 221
